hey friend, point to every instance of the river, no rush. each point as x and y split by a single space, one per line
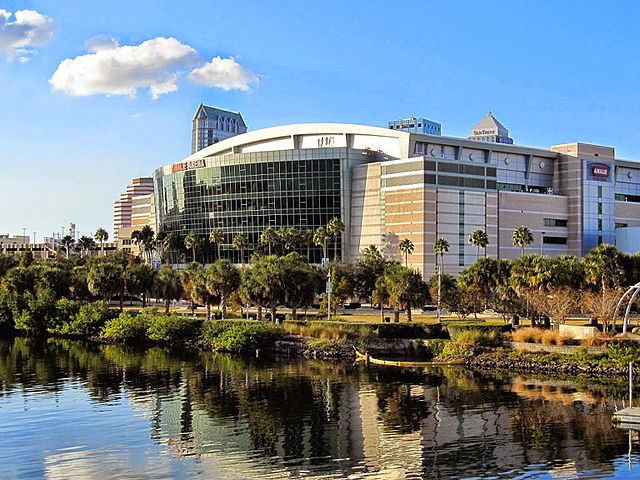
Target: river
71 409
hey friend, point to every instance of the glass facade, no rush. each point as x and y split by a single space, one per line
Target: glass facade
246 193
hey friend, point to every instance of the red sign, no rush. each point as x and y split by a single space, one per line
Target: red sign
600 171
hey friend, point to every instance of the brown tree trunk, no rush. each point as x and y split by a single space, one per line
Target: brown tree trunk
273 314
259 315
167 303
396 315
294 313
408 313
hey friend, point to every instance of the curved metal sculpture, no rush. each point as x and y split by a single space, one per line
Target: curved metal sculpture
634 291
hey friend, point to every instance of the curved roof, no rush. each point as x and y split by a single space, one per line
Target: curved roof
310 135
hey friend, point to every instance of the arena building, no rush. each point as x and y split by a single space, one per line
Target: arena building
387 184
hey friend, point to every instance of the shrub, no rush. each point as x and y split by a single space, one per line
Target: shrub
554 337
478 338
595 340
66 310
126 328
528 335
457 328
453 350
88 321
174 328
239 336
622 353
435 346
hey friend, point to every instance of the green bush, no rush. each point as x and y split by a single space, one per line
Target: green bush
435 346
126 328
455 350
455 329
477 337
66 310
88 321
239 336
6 315
621 354
174 328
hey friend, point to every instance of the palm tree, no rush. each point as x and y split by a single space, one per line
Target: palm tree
269 237
240 243
522 236
334 228
320 237
406 248
307 239
101 236
86 244
191 242
170 243
67 242
372 251
216 237
479 239
440 246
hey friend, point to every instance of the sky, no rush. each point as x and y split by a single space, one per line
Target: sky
93 94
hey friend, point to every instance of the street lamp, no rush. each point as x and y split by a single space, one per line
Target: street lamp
542 243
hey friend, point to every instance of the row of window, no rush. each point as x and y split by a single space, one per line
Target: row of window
555 222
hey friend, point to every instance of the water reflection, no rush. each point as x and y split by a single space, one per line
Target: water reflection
73 409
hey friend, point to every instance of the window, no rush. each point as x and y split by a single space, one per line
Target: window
555 222
622 225
554 240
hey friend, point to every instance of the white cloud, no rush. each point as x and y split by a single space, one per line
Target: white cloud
30 29
224 73
122 70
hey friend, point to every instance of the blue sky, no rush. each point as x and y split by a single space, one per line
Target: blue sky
552 72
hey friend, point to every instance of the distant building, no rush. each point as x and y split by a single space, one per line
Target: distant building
123 207
211 125
416 125
490 130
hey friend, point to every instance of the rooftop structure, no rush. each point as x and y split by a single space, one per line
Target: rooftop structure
416 125
489 129
211 125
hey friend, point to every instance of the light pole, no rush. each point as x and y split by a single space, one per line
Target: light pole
542 243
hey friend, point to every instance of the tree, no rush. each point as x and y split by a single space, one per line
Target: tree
522 237
101 236
68 243
372 251
406 248
440 247
198 291
479 239
105 279
192 242
216 237
334 228
168 285
602 306
86 244
171 243
556 303
603 267
269 238
240 242
320 238
139 280
145 240
223 279
405 288
445 286
366 271
305 281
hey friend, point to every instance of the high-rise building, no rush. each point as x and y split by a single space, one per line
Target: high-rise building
416 125
490 130
211 124
123 207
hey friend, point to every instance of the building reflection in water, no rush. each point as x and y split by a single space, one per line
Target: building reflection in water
260 419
